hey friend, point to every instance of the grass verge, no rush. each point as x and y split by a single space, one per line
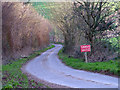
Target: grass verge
13 76
108 68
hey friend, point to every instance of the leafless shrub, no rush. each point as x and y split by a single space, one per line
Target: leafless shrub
23 30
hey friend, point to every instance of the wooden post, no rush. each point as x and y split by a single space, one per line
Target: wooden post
86 57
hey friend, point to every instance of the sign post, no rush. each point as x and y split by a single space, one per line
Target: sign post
86 57
85 48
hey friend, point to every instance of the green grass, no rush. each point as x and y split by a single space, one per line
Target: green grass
44 8
14 78
109 67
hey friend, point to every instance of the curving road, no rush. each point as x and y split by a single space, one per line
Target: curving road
49 68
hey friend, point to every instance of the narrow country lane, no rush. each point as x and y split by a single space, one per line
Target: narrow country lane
49 68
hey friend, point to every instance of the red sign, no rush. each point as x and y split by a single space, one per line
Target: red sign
85 48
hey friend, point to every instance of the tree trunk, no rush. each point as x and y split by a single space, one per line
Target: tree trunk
68 45
90 39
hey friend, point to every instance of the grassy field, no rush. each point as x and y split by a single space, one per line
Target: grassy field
109 68
44 8
14 78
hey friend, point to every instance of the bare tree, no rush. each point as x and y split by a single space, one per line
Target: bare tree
97 15
62 17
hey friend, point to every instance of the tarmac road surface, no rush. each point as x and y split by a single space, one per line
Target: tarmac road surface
49 68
